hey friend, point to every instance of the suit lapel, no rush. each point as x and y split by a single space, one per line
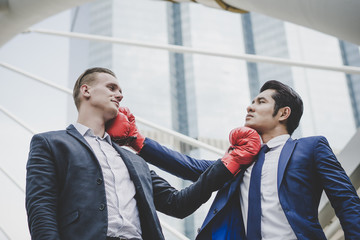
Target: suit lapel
134 175
223 196
284 159
75 133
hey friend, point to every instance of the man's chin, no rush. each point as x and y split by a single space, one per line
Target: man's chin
247 124
250 125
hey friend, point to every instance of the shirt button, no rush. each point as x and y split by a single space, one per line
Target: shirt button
215 211
102 207
99 181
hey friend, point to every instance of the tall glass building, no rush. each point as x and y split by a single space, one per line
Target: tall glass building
351 56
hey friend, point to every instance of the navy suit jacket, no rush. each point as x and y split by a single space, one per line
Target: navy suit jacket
307 166
65 192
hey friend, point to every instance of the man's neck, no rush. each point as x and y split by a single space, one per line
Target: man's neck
93 121
266 137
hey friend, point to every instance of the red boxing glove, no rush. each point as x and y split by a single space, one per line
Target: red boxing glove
245 145
118 128
132 138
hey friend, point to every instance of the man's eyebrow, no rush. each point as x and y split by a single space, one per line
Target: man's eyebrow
257 99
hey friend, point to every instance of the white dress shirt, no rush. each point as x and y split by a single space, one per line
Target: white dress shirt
274 224
123 214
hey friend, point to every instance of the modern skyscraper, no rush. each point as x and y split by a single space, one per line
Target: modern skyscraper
351 56
266 36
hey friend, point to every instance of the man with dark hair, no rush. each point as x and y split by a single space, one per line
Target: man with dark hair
286 96
278 196
82 186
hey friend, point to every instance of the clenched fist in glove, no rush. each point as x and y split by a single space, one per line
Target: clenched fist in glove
122 130
118 129
245 145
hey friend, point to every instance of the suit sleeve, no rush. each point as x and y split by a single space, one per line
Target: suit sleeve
41 191
173 162
182 203
339 189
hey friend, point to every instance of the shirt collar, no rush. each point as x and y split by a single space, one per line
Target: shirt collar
277 141
84 130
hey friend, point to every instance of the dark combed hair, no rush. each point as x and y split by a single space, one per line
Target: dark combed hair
285 96
87 77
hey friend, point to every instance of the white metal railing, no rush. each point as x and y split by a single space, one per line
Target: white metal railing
5 234
183 138
12 180
38 79
173 231
332 228
182 49
17 120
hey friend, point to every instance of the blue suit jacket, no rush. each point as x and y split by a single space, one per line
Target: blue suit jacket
307 166
65 192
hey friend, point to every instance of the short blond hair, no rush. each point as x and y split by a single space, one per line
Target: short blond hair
88 77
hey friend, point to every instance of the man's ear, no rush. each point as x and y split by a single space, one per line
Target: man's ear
284 113
84 89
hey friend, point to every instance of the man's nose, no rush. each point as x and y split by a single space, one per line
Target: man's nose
119 96
250 108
